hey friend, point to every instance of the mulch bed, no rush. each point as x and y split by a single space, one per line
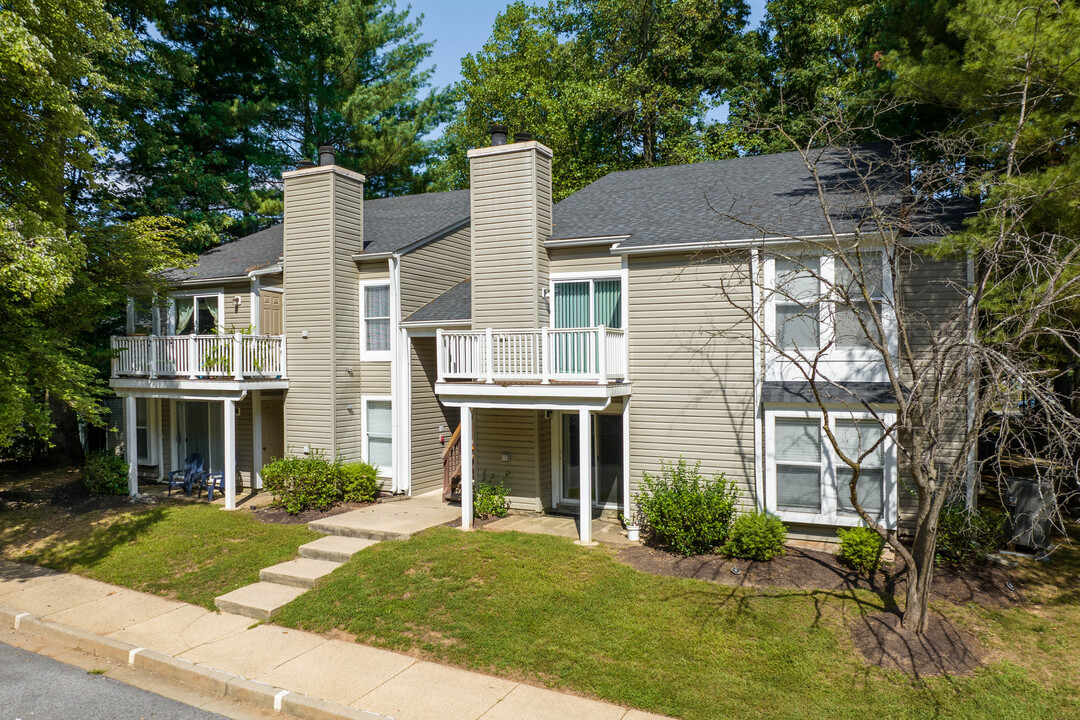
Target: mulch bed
942 650
68 494
477 522
280 517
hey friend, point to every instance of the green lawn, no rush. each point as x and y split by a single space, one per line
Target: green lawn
542 608
186 551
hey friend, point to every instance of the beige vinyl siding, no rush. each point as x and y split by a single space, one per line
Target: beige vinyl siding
276 280
693 392
429 271
245 447
237 318
511 215
932 298
427 416
544 450
596 258
323 225
514 432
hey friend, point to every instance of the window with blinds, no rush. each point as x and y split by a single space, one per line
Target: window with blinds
588 303
375 334
378 435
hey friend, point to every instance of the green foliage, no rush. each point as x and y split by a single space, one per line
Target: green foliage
608 85
358 482
489 497
860 548
684 511
964 537
105 473
756 536
302 483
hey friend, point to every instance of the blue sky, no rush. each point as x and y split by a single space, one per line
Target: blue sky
459 28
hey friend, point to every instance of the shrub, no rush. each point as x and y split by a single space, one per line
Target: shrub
756 536
489 497
302 483
860 549
105 473
965 537
684 511
358 482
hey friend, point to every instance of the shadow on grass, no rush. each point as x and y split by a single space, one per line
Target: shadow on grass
74 548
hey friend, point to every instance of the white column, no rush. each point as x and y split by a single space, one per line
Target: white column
131 440
466 468
256 439
585 475
230 454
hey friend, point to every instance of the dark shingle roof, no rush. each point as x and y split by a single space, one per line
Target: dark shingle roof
731 200
855 393
454 304
390 224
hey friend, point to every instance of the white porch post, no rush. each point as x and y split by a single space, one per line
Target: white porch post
466 468
585 476
131 440
230 454
256 439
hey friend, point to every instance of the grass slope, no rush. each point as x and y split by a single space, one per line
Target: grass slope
542 608
189 552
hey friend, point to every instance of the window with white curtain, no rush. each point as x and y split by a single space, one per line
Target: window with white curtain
806 480
379 434
197 314
375 317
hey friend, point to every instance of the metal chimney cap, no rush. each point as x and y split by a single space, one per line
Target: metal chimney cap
327 155
498 134
523 137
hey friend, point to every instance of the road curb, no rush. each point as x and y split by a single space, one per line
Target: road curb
199 677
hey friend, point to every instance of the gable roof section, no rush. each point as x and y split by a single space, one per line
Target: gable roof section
390 225
728 201
454 305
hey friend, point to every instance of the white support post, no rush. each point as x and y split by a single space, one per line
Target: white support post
192 358
585 476
256 439
601 354
230 454
545 356
440 356
466 468
153 357
238 356
489 356
131 444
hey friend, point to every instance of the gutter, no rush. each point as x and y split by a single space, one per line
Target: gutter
617 249
583 242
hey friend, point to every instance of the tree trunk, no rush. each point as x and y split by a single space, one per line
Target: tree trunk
920 576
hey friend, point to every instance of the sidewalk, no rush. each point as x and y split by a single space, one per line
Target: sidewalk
295 672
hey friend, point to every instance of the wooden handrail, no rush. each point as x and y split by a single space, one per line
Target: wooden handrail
452 441
451 465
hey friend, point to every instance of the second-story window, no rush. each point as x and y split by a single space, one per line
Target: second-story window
855 326
376 322
588 303
197 314
798 323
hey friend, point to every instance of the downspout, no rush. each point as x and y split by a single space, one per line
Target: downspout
759 430
396 482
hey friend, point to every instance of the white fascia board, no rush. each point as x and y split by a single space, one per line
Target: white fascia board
539 397
775 241
321 169
272 270
434 324
359 257
213 281
585 242
192 389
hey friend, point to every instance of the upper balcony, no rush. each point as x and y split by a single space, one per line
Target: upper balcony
583 356
218 358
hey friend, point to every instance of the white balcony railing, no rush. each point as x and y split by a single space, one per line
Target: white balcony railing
234 356
576 355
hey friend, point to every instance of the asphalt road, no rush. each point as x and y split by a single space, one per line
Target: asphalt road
34 687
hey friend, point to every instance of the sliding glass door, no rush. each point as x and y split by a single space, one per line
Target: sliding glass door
606 463
203 432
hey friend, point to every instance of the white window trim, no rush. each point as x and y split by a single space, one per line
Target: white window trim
591 277
153 411
129 320
830 514
219 293
837 363
557 489
376 355
364 400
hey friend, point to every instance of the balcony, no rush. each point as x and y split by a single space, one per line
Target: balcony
234 357
581 355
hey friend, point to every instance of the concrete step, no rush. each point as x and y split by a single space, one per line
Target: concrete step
387 521
258 601
335 548
301 573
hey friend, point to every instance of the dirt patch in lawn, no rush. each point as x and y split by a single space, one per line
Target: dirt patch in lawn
278 516
942 650
61 488
804 569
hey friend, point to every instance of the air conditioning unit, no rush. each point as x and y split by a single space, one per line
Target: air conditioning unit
1030 504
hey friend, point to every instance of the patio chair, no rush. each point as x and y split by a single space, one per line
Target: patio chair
215 481
191 476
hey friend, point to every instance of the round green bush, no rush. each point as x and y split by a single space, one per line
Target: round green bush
105 473
489 497
860 549
302 483
965 537
684 511
756 536
358 482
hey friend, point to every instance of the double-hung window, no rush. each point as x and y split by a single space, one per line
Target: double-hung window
379 434
854 316
375 319
143 431
796 303
807 481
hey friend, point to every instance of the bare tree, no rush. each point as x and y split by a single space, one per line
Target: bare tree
956 331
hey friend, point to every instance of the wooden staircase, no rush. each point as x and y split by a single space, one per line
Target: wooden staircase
451 467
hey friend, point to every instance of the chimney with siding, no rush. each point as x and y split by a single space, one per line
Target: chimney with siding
324 224
511 218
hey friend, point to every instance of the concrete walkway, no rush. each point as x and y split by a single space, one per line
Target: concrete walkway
603 530
346 535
